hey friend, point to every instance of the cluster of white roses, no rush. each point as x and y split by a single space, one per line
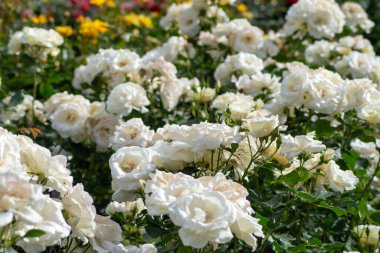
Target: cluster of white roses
327 92
350 56
325 18
119 66
75 117
320 164
187 16
238 35
141 150
30 177
207 210
35 42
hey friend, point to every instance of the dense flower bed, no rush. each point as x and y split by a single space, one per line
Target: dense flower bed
144 126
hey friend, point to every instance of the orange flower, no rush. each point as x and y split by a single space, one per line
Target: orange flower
242 8
39 20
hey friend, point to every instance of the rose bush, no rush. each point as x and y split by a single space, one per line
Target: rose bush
189 127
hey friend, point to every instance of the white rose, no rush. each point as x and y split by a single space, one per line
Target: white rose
258 83
365 149
81 213
158 202
223 73
355 93
107 237
325 92
356 17
189 22
319 53
171 15
234 192
52 223
169 50
203 136
15 44
249 40
320 18
128 166
203 218
69 118
340 180
126 208
102 130
294 86
39 162
17 198
131 133
144 248
9 153
173 155
368 235
370 113
246 228
261 126
202 95
246 63
125 97
41 37
293 146
239 104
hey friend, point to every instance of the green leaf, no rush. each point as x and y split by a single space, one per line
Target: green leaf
46 90
337 210
284 239
314 241
306 196
263 220
303 174
375 217
290 179
234 147
184 249
34 233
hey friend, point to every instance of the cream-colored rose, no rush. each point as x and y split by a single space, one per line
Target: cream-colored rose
125 97
261 126
81 213
204 218
131 133
293 146
128 166
239 104
368 235
340 180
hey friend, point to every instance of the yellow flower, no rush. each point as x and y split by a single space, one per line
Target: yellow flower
109 3
39 20
89 28
81 19
242 8
138 20
64 30
146 21
222 3
98 2
131 19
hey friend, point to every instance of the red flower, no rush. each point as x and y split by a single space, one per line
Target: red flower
291 2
